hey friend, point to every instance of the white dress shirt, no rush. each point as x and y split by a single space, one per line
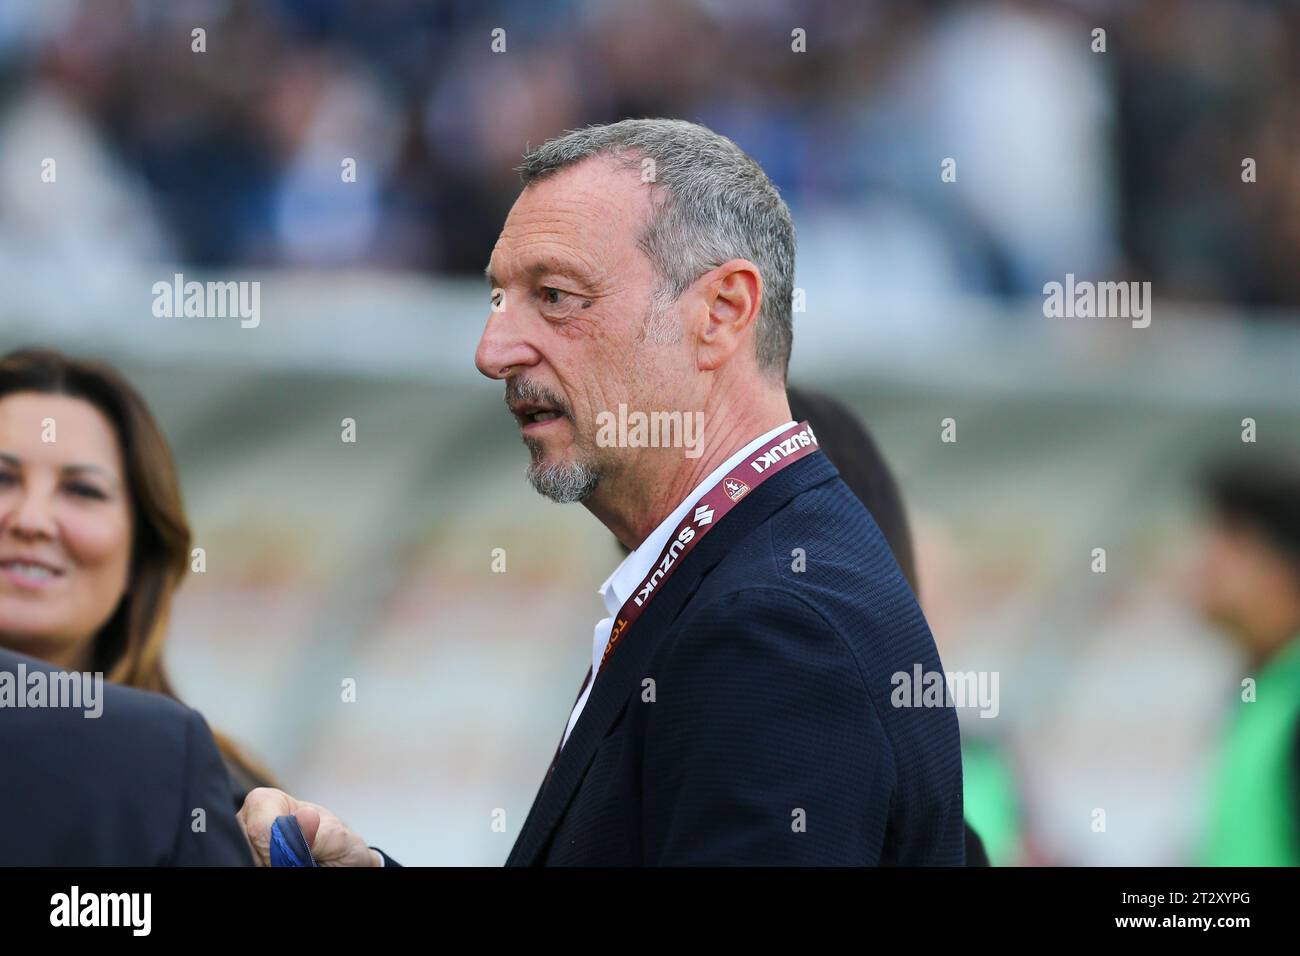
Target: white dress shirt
618 587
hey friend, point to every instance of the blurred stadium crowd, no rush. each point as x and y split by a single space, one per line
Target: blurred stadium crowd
924 303
231 157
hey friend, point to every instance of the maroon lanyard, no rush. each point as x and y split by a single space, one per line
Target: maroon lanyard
794 443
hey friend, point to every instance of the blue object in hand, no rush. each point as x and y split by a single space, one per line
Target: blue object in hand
288 845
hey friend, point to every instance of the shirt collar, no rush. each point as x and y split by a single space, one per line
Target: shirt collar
618 586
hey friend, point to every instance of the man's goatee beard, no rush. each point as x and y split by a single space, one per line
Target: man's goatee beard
564 484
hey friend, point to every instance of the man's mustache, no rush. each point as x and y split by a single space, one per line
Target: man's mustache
525 390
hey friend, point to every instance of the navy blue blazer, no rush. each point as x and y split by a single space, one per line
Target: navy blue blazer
746 717
115 790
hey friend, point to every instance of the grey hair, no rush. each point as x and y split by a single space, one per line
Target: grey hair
716 204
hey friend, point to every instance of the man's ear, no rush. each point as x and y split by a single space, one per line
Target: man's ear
732 295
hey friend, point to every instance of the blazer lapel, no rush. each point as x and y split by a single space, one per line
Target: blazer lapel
626 667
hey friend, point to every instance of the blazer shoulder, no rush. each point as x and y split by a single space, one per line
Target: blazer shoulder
114 783
818 548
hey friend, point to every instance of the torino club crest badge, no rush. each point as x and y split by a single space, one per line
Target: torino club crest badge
735 488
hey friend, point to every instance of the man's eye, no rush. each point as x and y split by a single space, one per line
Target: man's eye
498 296
552 296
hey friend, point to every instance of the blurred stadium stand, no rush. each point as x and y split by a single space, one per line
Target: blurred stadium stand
327 560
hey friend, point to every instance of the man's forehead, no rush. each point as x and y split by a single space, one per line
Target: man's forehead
590 213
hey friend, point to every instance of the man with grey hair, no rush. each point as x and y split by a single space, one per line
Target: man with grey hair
741 704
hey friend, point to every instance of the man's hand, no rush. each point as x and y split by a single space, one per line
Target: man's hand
331 842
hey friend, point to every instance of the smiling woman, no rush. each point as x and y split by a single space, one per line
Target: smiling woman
93 536
66 522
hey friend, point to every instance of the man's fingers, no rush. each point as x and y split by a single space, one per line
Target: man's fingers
331 842
309 820
259 811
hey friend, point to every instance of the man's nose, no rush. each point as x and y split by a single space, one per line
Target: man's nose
502 350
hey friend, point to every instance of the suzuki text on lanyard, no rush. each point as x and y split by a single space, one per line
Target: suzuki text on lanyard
797 441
